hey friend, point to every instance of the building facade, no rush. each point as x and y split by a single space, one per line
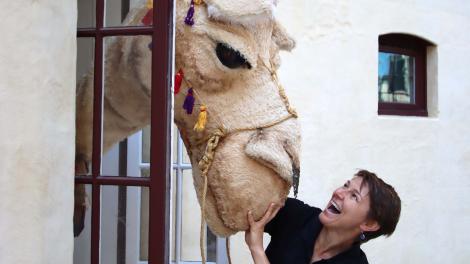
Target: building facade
331 77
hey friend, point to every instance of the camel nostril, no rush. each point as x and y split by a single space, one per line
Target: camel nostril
277 150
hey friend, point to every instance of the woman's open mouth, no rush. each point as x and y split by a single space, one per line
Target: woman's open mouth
334 208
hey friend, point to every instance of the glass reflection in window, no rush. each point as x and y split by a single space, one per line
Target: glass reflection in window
396 78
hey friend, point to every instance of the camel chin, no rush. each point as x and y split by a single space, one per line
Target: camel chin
250 170
237 189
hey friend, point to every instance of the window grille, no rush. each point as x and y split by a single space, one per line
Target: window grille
157 183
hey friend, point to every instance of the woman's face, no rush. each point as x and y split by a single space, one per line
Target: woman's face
348 208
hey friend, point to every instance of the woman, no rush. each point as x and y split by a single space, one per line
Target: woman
364 208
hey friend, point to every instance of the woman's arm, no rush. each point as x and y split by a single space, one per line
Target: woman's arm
254 235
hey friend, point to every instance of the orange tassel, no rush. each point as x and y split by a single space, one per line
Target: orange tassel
201 120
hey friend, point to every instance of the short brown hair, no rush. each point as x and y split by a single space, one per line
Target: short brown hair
385 204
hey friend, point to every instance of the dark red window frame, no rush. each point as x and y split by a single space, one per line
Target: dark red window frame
160 160
414 47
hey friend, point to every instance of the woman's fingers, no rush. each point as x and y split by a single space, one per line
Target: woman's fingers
251 221
270 213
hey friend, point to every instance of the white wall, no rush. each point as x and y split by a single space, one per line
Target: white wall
37 102
331 77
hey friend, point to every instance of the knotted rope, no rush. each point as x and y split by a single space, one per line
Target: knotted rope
204 165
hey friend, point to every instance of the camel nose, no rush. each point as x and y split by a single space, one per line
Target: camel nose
278 148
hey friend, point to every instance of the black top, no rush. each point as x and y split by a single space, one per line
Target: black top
294 231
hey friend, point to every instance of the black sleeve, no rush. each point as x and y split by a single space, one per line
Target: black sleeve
292 214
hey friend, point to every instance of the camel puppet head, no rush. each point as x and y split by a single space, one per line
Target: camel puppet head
229 54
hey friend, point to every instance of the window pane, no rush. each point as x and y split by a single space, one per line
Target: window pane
144 225
396 78
191 217
84 110
185 236
122 219
175 138
86 13
127 92
186 159
146 145
81 243
173 216
144 229
175 144
117 11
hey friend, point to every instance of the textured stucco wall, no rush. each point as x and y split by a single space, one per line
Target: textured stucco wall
331 77
37 88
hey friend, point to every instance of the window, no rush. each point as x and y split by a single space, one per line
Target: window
184 208
402 75
122 201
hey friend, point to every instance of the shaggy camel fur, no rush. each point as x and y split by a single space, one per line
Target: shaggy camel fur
257 159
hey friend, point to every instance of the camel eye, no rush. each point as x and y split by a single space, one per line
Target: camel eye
231 58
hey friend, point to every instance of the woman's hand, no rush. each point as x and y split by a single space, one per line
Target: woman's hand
254 235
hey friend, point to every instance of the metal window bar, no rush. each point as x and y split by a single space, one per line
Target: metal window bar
158 183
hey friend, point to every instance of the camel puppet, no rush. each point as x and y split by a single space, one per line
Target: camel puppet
240 132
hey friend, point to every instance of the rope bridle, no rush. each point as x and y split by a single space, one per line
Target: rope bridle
220 132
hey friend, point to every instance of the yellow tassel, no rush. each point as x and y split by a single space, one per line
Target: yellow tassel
198 2
149 4
201 120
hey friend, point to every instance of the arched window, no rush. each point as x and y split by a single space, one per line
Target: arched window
402 75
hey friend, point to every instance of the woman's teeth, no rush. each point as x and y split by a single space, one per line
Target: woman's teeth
334 208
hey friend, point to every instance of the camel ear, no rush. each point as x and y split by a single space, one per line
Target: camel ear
281 38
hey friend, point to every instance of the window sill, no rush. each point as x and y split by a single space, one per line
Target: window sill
398 112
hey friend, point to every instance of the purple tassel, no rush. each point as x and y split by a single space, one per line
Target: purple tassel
188 104
189 20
